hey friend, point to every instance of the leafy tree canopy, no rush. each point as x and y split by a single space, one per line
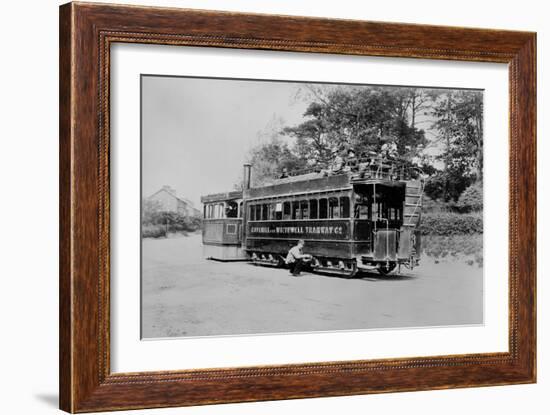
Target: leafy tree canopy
365 118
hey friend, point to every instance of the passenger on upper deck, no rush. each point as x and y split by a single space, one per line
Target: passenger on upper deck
389 150
351 160
284 173
339 161
365 161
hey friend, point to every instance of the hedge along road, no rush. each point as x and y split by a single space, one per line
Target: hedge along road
186 295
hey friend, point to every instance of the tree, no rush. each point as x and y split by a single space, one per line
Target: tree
459 123
471 199
154 215
459 119
268 160
150 211
271 155
363 118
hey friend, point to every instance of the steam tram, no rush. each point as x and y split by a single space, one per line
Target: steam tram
364 217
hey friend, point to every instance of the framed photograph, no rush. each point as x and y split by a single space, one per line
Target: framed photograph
259 207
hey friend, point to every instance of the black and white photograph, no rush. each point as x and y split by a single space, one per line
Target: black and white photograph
297 207
274 207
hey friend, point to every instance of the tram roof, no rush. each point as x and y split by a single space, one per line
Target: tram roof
381 171
316 182
222 197
306 183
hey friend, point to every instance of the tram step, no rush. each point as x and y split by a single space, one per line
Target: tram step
266 263
334 271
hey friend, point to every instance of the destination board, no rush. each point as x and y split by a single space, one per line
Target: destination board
321 229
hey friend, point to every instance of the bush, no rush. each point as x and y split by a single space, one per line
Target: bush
153 231
471 199
430 205
468 248
170 222
450 223
447 186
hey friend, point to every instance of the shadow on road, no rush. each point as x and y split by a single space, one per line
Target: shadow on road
372 276
364 276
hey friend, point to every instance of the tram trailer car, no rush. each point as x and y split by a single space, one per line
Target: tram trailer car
362 218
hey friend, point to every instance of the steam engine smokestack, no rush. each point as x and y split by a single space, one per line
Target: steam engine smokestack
246 176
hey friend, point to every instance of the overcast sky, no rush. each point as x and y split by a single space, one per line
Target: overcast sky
197 132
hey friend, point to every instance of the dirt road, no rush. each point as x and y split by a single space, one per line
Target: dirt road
186 295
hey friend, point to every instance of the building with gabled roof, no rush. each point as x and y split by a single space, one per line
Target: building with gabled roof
169 201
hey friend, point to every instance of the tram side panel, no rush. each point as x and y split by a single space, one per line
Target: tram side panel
329 239
222 240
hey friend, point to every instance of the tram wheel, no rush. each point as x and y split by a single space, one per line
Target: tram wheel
351 270
385 269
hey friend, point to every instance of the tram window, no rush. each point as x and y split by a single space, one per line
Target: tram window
304 209
362 211
231 210
375 211
333 208
258 212
251 211
344 207
394 213
278 211
265 212
241 210
323 208
296 210
313 209
286 211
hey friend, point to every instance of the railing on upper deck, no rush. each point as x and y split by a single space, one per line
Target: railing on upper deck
383 169
369 168
301 172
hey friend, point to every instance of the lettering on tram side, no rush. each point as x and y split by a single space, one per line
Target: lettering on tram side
335 231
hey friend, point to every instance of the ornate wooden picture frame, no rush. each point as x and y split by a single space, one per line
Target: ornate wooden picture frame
87 32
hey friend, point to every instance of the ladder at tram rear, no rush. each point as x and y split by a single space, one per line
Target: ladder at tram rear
411 219
413 203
